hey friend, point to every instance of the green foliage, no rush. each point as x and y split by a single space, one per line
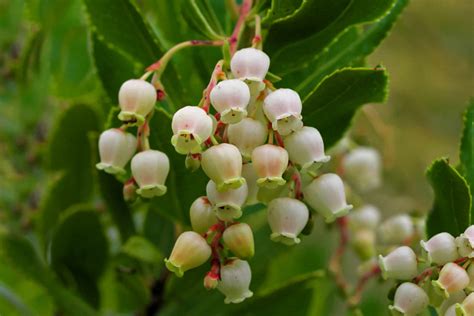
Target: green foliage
467 150
141 249
452 204
201 18
330 109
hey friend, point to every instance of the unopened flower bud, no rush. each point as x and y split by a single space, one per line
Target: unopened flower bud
452 278
248 172
129 191
211 280
227 204
400 264
326 195
192 163
191 127
247 135
362 168
190 251
136 98
440 248
150 169
283 109
230 98
235 281
396 229
223 165
363 243
306 148
116 147
410 300
465 242
364 217
287 217
202 215
270 162
250 63
239 239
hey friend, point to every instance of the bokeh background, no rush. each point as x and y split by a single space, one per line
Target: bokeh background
429 55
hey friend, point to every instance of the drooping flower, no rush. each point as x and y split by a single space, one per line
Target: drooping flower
191 127
362 168
270 162
364 217
136 98
465 242
396 229
306 148
287 217
247 135
230 98
116 147
239 239
283 109
227 204
452 278
150 169
202 215
440 249
400 264
235 281
409 300
250 64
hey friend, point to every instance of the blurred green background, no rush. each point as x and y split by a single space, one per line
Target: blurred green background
429 55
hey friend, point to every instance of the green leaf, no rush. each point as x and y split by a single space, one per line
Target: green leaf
112 193
452 202
279 10
141 249
200 16
354 43
159 230
467 150
18 253
292 53
333 103
79 251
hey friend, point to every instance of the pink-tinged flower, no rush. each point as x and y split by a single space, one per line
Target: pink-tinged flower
306 148
287 217
250 64
227 204
400 264
247 135
465 242
270 162
230 98
283 109
190 251
116 147
326 195
364 217
150 169
239 239
410 300
363 168
452 278
202 215
396 229
191 127
440 248
136 98
223 165
235 281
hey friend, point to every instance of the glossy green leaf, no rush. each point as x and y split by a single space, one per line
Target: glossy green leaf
467 150
159 230
452 204
79 252
280 10
18 253
201 18
331 21
139 248
333 103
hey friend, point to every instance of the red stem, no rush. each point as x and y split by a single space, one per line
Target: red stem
335 263
374 272
297 180
234 38
215 76
429 271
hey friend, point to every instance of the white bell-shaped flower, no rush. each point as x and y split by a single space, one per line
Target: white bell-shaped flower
191 127
287 217
409 300
306 148
453 299
465 242
227 204
136 98
326 195
223 165
239 239
235 281
202 215
396 229
452 278
270 162
247 135
248 172
466 308
150 169
283 109
116 147
230 98
364 217
362 168
400 264
440 248
250 64
190 251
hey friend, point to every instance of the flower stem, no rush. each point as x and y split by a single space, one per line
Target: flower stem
335 265
234 38
217 74
356 297
257 39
